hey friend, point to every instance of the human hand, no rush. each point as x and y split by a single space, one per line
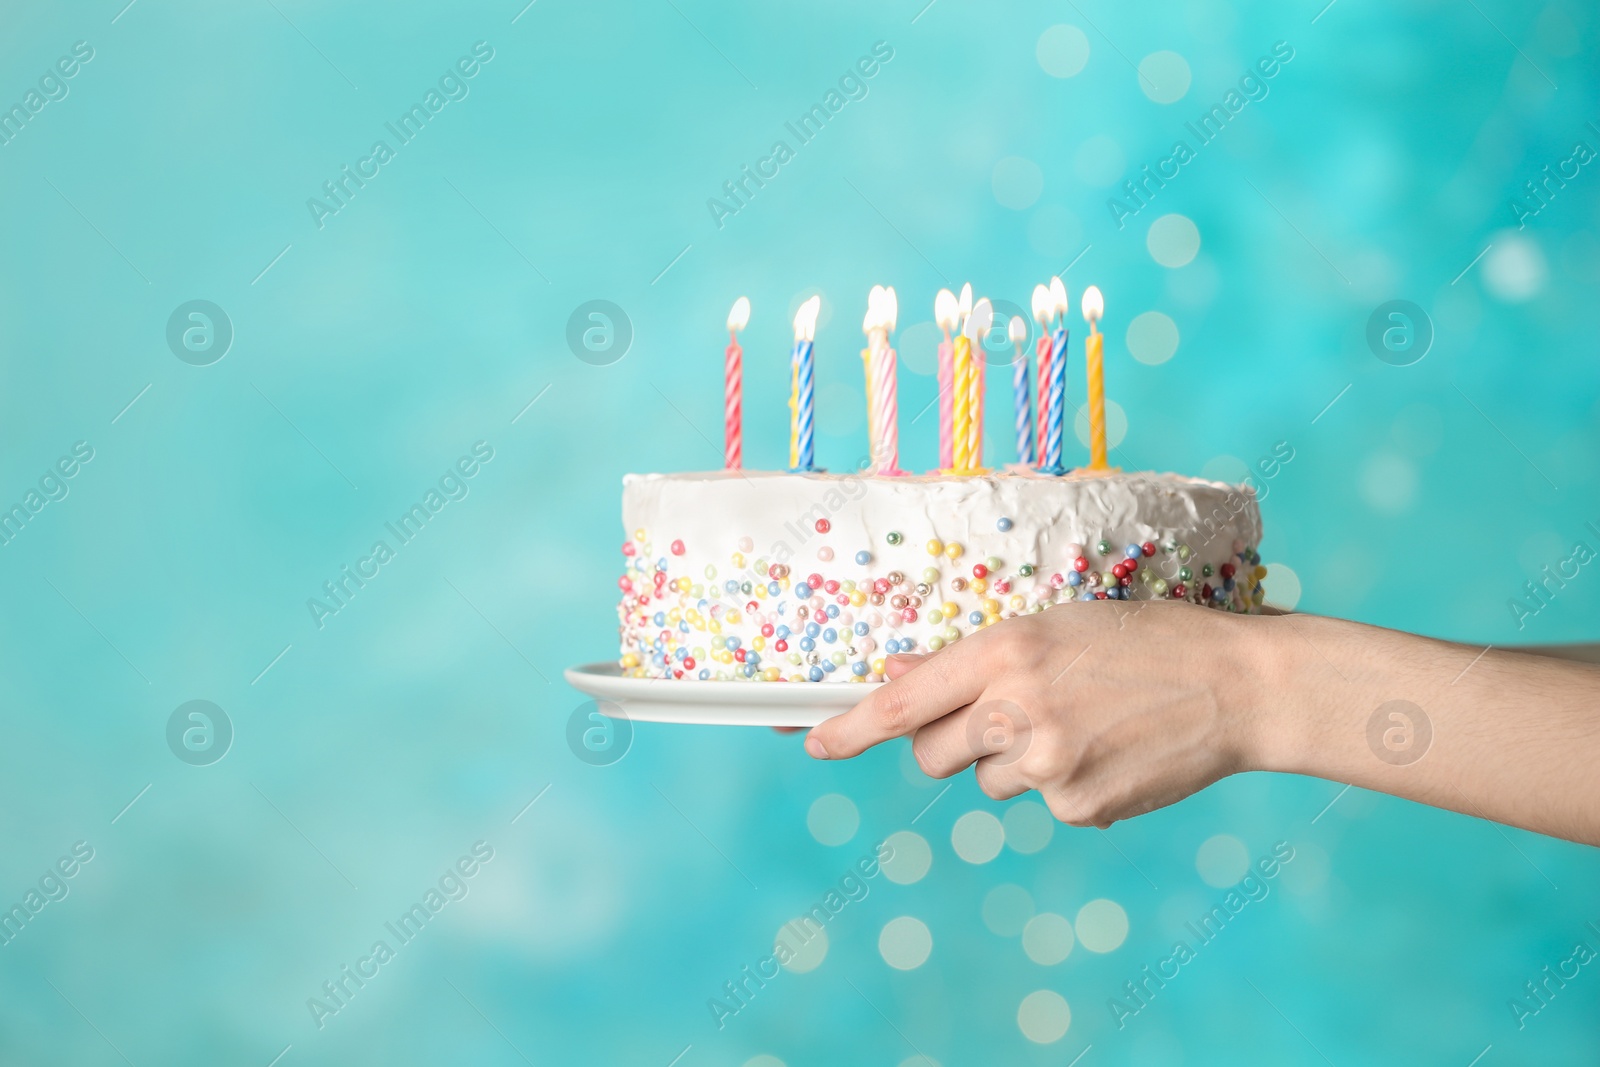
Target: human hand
1107 710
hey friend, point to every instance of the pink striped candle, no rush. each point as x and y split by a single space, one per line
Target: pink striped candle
1041 315
887 387
733 388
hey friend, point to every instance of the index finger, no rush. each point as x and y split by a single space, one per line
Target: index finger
938 685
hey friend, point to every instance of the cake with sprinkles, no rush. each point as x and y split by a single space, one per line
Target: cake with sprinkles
806 576
814 577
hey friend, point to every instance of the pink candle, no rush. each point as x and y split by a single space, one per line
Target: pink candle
887 389
1042 347
733 388
1041 315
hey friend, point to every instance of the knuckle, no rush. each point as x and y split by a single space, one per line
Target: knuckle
1070 806
926 753
1017 647
1049 757
892 709
994 784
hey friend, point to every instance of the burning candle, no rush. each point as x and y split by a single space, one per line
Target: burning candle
733 388
961 400
944 313
975 330
886 390
1094 307
1041 315
805 334
1058 378
1021 406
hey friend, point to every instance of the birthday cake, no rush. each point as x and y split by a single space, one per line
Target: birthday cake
808 576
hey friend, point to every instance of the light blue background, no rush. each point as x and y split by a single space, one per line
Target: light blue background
430 311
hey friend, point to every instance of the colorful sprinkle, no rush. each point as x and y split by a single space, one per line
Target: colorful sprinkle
765 623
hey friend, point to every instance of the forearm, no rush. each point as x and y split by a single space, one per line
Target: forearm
1499 735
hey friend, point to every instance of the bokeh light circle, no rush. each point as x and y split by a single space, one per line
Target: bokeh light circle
807 941
1047 938
905 943
1164 77
1388 483
1514 269
1283 586
1101 925
1007 909
1221 861
1044 1016
910 859
833 819
1116 424
1029 827
1173 240
1063 51
1152 338
977 837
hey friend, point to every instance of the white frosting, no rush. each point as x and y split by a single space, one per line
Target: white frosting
1050 521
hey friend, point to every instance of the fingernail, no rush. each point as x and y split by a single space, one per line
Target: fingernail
814 748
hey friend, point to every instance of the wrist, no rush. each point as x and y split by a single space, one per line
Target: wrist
1268 720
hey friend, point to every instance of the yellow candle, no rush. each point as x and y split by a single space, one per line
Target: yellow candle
1094 362
960 406
973 331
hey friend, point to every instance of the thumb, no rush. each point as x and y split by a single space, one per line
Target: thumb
901 663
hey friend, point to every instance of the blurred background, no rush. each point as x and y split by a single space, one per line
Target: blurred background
222 375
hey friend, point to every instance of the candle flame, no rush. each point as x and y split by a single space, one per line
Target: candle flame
965 303
1041 304
739 317
977 324
805 320
882 310
945 310
1018 329
1094 305
1058 296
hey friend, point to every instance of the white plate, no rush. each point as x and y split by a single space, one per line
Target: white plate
716 703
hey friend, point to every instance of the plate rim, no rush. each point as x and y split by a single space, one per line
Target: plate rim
837 695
